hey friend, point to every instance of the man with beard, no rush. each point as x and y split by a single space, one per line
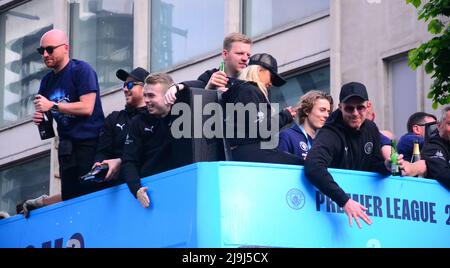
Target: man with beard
347 141
112 137
72 94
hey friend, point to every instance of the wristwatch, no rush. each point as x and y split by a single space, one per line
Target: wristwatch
55 107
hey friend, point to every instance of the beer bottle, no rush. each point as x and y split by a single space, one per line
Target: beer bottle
46 126
395 171
416 152
222 66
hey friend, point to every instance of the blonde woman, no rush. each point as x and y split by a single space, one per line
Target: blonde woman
313 110
251 90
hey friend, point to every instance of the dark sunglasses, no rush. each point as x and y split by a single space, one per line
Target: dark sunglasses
49 49
131 84
350 109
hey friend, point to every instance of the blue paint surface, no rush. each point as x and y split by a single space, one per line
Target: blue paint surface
235 204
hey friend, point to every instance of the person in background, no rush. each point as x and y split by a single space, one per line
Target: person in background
385 135
416 132
313 110
435 154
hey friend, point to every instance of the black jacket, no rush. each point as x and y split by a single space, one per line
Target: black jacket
203 80
114 132
146 150
436 153
248 92
339 146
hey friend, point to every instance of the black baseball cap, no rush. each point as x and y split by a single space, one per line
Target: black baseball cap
270 63
353 89
139 74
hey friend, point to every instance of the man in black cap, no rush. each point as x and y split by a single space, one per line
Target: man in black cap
347 141
112 137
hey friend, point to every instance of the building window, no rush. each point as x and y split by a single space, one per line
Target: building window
404 90
263 16
21 67
102 35
24 181
298 85
182 31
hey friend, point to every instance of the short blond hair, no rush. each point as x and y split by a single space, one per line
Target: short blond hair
307 101
235 37
159 78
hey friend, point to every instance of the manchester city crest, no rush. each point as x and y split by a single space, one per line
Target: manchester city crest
295 199
368 148
303 146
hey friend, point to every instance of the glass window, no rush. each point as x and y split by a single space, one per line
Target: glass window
102 35
184 30
21 67
404 90
24 181
262 16
297 86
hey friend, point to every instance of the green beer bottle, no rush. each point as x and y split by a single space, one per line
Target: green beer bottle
395 171
222 66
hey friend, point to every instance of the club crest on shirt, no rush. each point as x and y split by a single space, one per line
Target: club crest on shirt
303 146
128 141
260 117
439 155
368 148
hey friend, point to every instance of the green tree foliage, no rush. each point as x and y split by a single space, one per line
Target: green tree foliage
435 54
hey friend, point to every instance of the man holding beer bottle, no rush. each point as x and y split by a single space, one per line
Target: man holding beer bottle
71 93
236 53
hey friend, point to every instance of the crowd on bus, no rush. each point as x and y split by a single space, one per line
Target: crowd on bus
135 142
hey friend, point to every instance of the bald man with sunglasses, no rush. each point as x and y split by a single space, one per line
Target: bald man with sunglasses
70 91
347 141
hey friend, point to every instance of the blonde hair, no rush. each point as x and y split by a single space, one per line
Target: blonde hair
307 101
159 78
251 73
235 37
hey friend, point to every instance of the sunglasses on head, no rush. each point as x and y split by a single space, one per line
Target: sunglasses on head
49 49
131 84
349 109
